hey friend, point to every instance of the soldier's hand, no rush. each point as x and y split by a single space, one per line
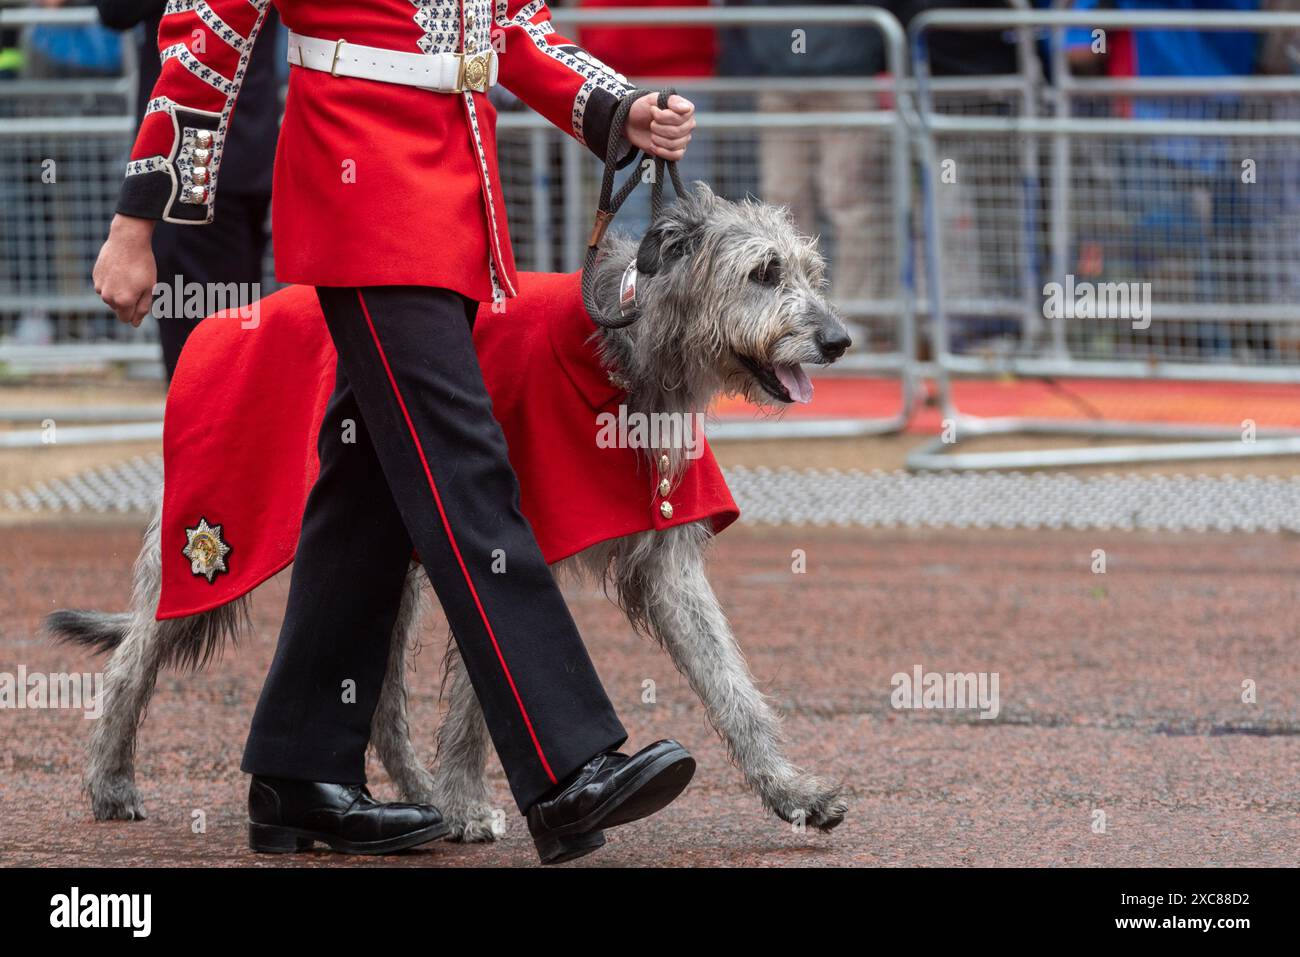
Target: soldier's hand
125 272
664 132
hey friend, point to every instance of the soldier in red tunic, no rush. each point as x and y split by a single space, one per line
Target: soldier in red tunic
387 200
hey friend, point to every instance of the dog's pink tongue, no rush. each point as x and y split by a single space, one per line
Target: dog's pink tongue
796 382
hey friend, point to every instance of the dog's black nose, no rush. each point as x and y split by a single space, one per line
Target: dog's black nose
833 342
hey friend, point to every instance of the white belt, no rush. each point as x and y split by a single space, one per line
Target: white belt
441 72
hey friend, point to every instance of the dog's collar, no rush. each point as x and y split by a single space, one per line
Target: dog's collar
627 306
629 310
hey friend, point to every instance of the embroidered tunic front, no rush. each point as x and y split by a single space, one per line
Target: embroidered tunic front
375 183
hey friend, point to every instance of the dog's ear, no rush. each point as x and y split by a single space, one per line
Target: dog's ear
676 233
649 255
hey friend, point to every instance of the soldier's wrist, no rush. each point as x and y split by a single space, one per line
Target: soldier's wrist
131 228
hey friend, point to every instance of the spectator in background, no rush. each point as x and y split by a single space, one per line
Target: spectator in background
667 55
651 51
962 52
982 259
11 186
1156 52
63 51
833 172
49 201
1178 213
229 250
11 56
1279 55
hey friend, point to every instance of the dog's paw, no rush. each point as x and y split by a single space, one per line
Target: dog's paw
116 801
479 824
809 801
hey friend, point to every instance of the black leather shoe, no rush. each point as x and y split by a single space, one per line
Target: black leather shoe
608 790
286 816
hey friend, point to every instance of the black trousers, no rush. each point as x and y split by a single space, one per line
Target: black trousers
227 250
411 456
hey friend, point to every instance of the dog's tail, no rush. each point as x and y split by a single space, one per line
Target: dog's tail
100 630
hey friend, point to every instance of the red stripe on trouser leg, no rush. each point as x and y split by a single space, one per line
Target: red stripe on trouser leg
446 525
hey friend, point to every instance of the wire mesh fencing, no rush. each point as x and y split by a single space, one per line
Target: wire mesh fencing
1138 227
1119 226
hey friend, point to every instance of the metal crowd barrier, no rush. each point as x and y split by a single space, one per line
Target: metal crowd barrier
550 184
62 146
1101 180
1178 193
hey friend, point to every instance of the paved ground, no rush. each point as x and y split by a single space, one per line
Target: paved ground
1268 406
1119 693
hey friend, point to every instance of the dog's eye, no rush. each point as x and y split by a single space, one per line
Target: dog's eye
767 274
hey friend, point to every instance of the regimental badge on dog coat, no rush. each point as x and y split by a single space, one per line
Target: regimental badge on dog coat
254 399
205 550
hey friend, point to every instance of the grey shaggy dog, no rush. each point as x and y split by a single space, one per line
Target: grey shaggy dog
731 300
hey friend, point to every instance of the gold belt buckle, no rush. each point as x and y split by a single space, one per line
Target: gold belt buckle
475 71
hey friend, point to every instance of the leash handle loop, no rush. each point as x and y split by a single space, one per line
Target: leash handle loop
610 201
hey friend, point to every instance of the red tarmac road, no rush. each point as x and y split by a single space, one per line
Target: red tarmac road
1120 694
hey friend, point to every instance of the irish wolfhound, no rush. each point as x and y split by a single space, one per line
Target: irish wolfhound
731 299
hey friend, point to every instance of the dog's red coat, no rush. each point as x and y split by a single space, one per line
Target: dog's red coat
247 400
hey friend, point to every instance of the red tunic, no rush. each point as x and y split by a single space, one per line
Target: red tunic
375 183
246 404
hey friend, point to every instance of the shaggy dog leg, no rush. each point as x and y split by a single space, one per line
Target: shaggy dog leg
390 730
128 684
129 681
460 782
662 582
140 647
